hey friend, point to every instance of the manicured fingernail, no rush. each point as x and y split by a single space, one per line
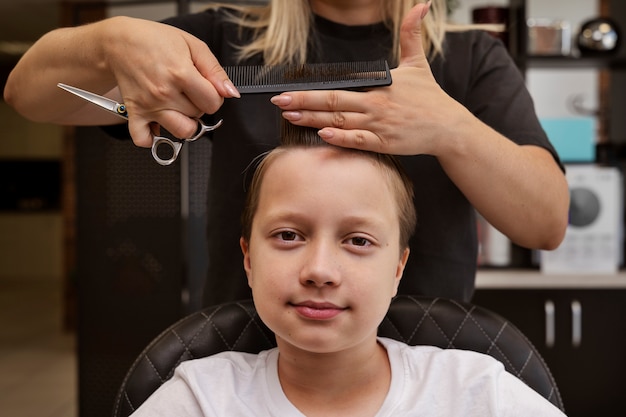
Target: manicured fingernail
325 134
292 115
230 87
281 100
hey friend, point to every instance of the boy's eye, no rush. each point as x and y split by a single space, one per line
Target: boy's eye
287 235
359 241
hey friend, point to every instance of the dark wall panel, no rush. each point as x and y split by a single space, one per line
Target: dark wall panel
129 267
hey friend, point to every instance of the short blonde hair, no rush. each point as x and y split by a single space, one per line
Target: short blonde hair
298 137
282 28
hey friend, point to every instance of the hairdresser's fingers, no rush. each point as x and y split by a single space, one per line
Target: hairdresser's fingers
339 119
207 65
356 139
178 124
142 129
202 81
177 115
366 140
355 130
321 100
176 111
412 48
202 94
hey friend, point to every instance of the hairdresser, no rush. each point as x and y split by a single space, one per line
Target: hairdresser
458 111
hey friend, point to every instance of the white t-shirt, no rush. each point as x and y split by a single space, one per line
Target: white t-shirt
426 381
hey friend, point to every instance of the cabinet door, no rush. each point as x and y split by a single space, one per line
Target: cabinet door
581 334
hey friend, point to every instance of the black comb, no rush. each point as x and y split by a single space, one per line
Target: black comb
331 76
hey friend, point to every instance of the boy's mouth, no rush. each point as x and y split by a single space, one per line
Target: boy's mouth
318 310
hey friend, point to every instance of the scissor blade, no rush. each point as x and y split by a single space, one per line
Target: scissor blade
104 102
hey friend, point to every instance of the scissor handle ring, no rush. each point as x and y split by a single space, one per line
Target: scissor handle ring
159 140
202 129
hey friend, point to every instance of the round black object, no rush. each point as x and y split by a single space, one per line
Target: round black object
584 207
599 36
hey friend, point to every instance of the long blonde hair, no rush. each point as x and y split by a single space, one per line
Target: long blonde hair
282 27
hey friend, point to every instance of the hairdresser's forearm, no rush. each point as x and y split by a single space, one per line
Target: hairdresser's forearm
70 55
519 189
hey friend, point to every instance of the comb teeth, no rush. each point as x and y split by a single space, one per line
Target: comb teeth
332 76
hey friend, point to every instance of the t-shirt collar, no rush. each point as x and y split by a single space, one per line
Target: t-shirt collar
339 30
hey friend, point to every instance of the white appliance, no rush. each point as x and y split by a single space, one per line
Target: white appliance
594 239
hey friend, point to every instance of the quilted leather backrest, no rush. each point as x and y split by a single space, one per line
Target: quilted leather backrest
450 324
415 320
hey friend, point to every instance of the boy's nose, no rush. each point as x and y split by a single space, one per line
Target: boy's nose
322 266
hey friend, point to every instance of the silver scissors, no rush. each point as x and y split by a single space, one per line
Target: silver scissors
120 110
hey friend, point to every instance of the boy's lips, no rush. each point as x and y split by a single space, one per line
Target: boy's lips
318 310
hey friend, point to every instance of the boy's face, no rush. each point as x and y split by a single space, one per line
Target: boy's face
324 258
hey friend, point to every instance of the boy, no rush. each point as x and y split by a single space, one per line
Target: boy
325 242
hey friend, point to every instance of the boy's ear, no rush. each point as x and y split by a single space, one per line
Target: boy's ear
400 269
245 249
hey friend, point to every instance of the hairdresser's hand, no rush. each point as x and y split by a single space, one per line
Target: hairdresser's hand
519 189
165 76
388 120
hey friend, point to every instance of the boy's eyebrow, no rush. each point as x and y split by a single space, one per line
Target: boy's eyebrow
355 220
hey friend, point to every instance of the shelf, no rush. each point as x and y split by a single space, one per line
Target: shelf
533 279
